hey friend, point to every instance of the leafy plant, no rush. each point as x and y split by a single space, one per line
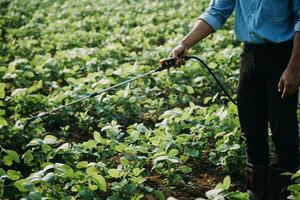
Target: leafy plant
221 191
295 187
111 146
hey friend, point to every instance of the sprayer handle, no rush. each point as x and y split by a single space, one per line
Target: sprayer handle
168 63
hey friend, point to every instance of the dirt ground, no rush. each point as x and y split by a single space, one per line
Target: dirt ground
205 178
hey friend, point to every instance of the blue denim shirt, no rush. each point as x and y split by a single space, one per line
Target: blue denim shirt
257 21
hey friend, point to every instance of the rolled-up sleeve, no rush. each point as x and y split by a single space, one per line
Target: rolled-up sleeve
218 12
296 6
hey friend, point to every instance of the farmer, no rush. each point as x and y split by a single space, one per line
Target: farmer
268 84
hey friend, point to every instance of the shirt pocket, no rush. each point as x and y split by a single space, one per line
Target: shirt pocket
275 10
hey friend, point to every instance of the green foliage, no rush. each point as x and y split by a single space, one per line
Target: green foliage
53 52
295 187
221 191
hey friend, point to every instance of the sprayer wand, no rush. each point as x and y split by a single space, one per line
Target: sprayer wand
165 64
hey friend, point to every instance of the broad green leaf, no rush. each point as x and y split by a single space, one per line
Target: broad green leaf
90 144
174 160
114 173
35 87
194 153
50 139
190 90
92 171
79 175
296 196
185 115
93 187
296 175
36 177
238 195
142 149
287 174
34 196
46 148
212 65
29 186
63 148
28 157
207 99
48 166
7 160
97 136
235 146
124 161
183 158
13 175
63 170
148 189
86 194
173 153
227 182
3 122
2 172
121 148
35 142
137 171
20 185
172 198
159 195
155 141
212 194
13 155
49 178
138 180
81 164
160 158
181 140
10 157
100 181
74 188
131 150
18 91
2 90
185 169
294 188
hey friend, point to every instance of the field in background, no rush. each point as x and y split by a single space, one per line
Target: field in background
171 134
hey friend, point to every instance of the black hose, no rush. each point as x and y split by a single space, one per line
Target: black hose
214 76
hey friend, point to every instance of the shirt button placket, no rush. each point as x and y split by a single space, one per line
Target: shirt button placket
251 21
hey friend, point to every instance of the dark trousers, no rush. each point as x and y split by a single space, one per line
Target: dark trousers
260 104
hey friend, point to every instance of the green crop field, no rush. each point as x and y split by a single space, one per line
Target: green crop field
170 135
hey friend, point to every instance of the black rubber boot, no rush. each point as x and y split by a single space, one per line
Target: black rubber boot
277 184
256 181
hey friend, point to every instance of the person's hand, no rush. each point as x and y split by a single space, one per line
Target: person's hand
178 53
289 81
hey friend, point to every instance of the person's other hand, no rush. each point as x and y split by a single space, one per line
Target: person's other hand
289 81
178 53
